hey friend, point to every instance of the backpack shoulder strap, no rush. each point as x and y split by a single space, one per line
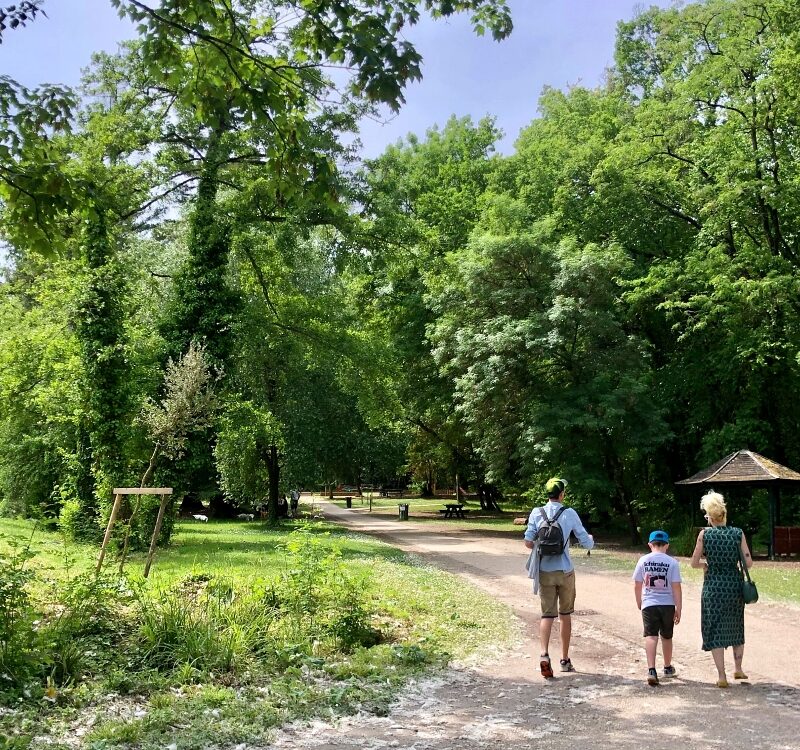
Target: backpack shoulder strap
551 521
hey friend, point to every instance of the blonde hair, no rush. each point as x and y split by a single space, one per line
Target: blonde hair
714 505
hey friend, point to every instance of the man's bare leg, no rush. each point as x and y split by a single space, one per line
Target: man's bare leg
545 630
566 634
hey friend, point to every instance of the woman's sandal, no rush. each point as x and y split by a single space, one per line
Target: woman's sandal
722 684
740 675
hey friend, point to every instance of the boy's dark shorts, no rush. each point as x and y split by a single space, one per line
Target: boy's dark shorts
659 620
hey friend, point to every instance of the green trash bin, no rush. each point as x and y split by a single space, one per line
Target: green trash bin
403 511
348 502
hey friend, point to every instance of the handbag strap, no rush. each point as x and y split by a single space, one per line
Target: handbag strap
743 561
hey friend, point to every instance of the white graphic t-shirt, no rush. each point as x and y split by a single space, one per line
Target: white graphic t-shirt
657 572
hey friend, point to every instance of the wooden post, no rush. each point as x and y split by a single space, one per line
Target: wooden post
156 531
773 502
111 519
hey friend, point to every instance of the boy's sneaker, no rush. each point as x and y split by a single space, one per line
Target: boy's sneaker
670 672
566 665
652 676
545 666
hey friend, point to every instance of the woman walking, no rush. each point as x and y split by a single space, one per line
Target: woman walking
722 605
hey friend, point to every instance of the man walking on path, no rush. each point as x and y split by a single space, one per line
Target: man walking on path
548 533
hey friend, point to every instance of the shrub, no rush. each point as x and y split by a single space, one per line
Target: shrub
321 599
83 617
87 612
206 625
18 636
76 524
682 543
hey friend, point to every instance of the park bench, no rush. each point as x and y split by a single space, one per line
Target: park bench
453 510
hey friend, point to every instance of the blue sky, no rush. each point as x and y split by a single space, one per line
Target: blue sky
555 42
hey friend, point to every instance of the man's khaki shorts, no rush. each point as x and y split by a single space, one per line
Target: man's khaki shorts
557 592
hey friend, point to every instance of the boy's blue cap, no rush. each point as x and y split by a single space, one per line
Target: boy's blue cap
659 536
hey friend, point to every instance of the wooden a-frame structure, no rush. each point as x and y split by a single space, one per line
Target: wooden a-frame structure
119 493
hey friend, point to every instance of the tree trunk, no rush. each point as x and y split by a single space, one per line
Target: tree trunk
204 305
488 495
274 473
85 486
615 471
148 474
100 332
205 302
632 515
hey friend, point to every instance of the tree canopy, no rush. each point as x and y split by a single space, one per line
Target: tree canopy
615 301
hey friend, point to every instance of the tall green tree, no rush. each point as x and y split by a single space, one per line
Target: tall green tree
69 189
256 66
713 144
247 94
422 197
534 331
40 389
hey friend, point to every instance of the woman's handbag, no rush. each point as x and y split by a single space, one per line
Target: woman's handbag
749 590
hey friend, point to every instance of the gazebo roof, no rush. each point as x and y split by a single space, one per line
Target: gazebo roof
743 467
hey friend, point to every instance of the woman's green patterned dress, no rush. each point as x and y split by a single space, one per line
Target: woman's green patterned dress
722 608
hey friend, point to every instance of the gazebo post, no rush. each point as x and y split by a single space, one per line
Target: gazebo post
773 515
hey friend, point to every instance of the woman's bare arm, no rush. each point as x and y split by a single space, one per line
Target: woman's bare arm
698 552
746 552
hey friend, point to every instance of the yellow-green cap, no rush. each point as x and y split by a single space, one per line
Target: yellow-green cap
555 486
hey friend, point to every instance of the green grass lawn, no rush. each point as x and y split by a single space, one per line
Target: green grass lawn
426 510
244 550
422 618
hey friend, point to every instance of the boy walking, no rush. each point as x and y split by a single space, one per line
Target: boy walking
657 585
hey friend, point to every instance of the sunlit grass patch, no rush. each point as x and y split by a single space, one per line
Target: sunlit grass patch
426 511
240 628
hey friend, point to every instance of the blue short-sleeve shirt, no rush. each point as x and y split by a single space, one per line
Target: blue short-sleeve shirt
570 523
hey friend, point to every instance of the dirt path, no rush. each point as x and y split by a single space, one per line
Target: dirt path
605 704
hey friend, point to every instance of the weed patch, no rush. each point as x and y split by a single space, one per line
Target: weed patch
221 647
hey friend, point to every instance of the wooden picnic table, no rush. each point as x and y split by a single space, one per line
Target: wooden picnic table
453 510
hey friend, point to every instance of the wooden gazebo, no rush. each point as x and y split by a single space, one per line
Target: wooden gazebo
747 469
